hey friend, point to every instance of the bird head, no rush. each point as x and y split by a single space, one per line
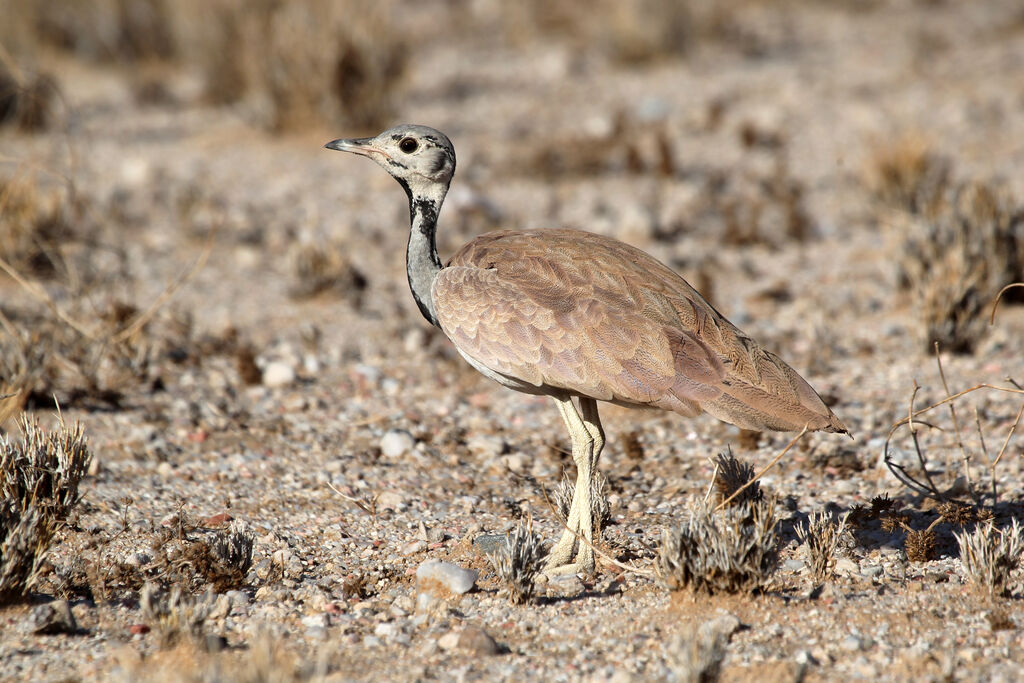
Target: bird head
417 156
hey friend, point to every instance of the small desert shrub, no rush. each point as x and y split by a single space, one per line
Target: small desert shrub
325 267
229 557
308 61
956 256
600 510
632 32
176 615
733 550
34 223
732 475
695 655
991 556
920 545
39 478
627 144
820 538
519 562
749 206
107 30
908 175
631 445
27 99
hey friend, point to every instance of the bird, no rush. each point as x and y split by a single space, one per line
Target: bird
582 318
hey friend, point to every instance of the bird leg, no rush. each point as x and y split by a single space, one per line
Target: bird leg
587 442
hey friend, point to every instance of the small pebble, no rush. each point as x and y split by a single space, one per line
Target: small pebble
137 559
396 443
52 618
565 585
316 621
278 374
486 445
724 625
489 544
845 565
451 576
413 547
851 643
448 641
476 641
391 632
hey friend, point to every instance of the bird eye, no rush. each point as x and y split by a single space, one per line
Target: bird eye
408 145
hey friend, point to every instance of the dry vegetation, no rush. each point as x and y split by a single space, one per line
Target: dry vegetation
40 474
992 556
733 550
821 537
960 242
155 305
518 562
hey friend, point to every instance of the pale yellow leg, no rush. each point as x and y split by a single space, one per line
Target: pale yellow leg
587 442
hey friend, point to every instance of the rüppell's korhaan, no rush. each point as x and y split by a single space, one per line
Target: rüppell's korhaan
576 315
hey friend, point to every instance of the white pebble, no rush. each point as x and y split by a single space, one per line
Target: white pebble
448 641
413 547
486 445
278 374
396 442
451 576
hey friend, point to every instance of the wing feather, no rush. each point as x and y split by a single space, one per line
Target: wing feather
572 311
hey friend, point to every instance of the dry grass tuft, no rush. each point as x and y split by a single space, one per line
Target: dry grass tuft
920 545
176 615
748 206
34 224
39 478
731 476
991 556
27 100
908 174
600 510
100 30
821 537
955 258
318 268
733 550
224 561
634 32
695 655
519 562
293 63
307 62
908 452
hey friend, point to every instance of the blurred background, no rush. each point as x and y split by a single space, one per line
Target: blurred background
809 165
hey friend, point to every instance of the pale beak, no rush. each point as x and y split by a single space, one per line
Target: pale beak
356 145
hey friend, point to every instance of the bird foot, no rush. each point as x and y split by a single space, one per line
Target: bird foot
559 564
569 569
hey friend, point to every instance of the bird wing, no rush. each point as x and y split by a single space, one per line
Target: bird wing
588 314
527 306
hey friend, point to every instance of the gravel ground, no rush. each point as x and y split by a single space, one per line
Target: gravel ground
354 444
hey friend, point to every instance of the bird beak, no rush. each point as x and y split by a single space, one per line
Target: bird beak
361 146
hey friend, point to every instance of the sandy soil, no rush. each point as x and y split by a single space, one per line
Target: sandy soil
166 184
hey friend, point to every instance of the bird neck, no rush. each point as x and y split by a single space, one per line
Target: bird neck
422 263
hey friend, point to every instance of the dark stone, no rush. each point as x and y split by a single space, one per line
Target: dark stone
53 618
474 640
